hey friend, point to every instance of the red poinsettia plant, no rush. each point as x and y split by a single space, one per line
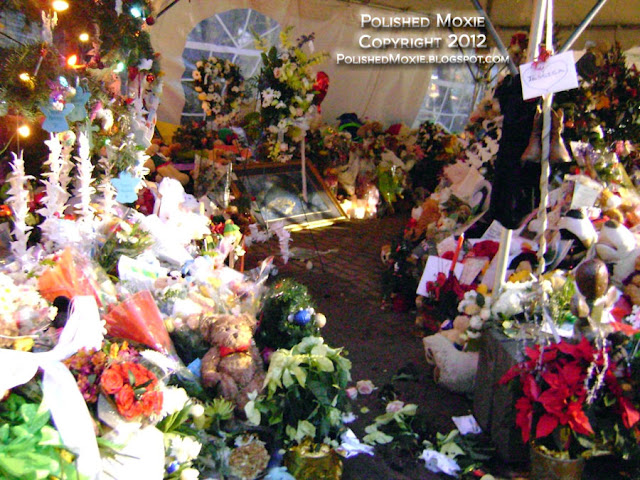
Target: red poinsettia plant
567 392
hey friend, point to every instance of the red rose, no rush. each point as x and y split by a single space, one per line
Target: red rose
126 402
111 380
151 402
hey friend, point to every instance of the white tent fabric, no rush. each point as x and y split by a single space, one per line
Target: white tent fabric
386 93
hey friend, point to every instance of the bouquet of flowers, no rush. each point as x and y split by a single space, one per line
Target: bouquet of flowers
286 93
115 371
220 87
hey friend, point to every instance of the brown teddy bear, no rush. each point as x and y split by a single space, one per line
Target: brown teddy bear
233 363
429 216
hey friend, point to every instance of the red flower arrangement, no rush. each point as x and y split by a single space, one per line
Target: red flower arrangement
133 389
564 389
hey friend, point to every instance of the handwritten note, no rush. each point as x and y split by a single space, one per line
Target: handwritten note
558 73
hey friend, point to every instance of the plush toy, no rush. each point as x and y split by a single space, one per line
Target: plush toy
457 328
233 363
160 163
425 215
618 246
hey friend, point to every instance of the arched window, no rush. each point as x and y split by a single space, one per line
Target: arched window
231 35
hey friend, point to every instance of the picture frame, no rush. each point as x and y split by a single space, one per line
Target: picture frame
276 195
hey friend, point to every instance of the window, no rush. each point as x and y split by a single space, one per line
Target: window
228 35
452 95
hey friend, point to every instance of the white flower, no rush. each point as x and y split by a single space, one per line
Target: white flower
189 474
365 387
485 314
394 406
184 449
352 392
476 322
196 410
174 399
473 334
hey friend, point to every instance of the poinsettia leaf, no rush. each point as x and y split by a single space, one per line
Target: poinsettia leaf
546 425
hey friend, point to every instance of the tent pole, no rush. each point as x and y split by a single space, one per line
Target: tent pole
496 38
583 25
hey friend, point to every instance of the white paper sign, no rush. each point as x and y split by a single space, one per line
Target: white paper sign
434 266
558 73
466 424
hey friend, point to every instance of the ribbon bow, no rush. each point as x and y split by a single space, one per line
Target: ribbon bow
543 55
226 351
59 388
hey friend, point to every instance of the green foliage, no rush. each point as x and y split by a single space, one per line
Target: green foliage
30 448
305 396
285 298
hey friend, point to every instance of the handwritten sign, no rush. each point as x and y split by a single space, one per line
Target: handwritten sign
558 73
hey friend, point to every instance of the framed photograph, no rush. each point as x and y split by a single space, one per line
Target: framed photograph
277 195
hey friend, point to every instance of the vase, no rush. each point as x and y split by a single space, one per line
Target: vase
549 467
306 463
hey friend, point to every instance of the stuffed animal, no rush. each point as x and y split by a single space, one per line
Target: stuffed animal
233 363
425 215
459 326
618 246
160 163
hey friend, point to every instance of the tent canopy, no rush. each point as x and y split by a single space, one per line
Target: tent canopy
386 93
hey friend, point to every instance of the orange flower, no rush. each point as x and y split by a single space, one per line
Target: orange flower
151 402
111 380
126 402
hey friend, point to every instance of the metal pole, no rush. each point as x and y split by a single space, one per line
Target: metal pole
583 25
494 34
544 161
537 23
535 33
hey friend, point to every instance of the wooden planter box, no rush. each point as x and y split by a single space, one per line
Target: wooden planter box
493 404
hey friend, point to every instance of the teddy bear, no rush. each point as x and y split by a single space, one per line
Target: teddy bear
160 164
233 364
425 216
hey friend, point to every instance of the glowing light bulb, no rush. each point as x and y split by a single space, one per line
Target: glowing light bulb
136 12
119 67
60 5
72 60
24 131
24 76
83 37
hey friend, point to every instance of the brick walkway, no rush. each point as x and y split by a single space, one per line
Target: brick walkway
344 279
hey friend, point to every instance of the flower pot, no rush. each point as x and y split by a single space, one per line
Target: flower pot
307 464
548 467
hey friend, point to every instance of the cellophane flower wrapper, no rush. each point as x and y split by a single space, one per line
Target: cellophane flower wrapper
75 275
138 318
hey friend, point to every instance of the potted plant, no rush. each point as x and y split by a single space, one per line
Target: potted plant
304 403
566 393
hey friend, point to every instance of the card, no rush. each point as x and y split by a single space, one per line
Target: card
434 266
558 73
